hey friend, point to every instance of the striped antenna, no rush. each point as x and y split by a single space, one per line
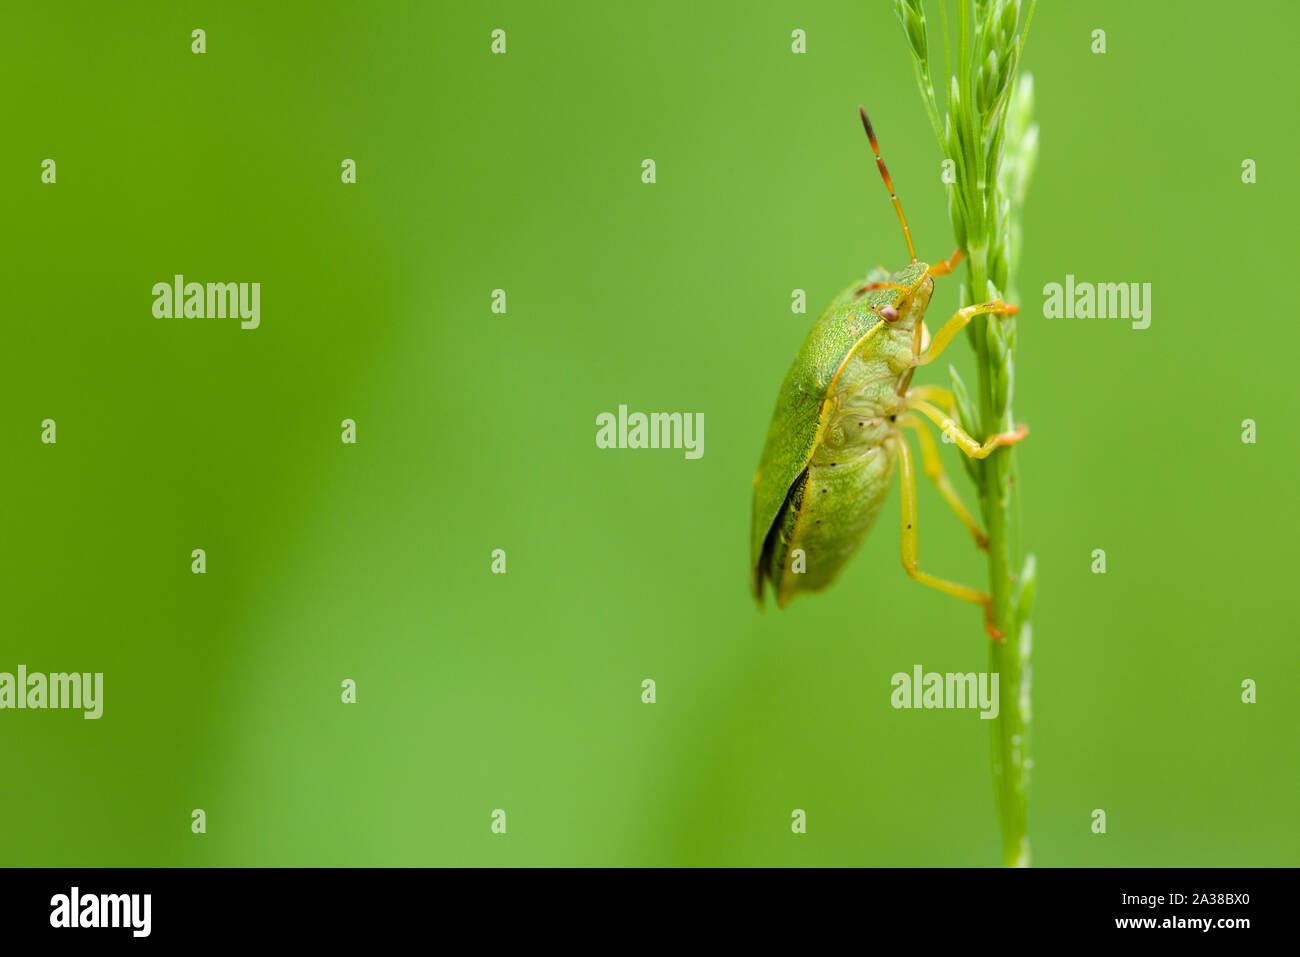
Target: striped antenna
889 184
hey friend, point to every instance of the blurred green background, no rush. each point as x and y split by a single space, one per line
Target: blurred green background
476 432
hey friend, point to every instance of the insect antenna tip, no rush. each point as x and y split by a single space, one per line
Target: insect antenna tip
866 124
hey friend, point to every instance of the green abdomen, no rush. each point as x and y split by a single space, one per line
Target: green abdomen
835 500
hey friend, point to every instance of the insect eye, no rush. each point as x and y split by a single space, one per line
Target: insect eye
888 313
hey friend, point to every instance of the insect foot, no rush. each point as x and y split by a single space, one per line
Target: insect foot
1011 438
989 627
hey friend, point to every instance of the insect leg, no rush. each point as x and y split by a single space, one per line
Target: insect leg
934 393
910 556
958 322
963 440
871 286
932 465
947 266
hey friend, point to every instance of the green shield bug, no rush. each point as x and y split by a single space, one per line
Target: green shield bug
835 434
